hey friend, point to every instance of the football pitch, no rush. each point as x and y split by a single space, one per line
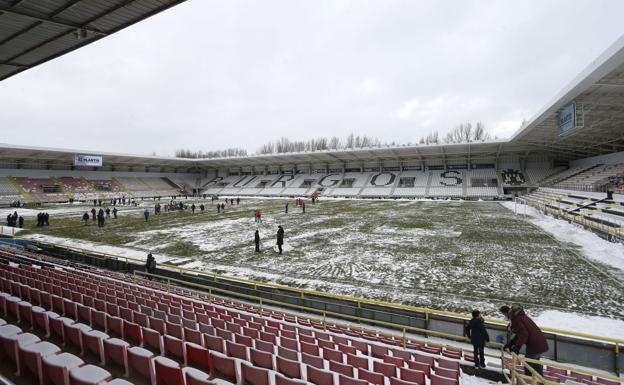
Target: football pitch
448 255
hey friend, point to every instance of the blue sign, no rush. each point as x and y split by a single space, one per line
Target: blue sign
566 120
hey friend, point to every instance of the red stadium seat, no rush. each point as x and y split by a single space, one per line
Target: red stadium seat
251 375
388 370
140 361
56 368
423 367
319 376
396 381
88 375
197 356
373 378
223 366
31 357
346 380
152 340
173 347
288 353
448 373
261 359
281 380
167 372
93 343
194 376
288 367
357 361
214 343
235 350
448 364
341 368
115 352
412 375
314 361
132 332
439 380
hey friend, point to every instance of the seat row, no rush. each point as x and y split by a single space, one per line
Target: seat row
171 341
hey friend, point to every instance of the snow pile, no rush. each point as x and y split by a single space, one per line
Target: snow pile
598 326
593 246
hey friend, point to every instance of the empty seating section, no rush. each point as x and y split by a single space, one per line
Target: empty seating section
349 184
136 187
448 183
8 191
482 183
302 184
583 207
107 188
591 179
412 183
124 322
42 189
161 186
79 189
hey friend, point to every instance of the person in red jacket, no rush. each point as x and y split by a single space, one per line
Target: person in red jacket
529 334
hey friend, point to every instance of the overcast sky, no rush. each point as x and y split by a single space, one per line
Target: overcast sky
207 74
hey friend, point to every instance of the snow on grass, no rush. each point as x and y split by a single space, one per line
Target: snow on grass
593 246
449 255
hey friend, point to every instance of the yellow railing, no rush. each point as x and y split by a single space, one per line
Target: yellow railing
511 366
358 301
214 292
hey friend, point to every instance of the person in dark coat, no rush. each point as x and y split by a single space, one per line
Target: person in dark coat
478 335
218 208
85 218
280 238
107 213
150 265
257 241
46 219
146 214
286 208
93 215
303 207
20 222
115 212
193 208
529 334
237 200
222 206
202 207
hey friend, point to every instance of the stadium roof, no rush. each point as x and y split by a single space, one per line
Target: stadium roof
66 156
598 95
34 31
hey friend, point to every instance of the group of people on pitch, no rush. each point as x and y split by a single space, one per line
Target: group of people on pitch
521 331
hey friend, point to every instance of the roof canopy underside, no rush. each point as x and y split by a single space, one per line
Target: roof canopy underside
33 31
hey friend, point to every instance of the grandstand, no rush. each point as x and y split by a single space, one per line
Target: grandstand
71 315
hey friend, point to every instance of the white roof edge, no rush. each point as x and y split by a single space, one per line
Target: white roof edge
88 152
604 64
254 158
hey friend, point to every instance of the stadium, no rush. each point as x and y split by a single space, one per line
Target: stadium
386 249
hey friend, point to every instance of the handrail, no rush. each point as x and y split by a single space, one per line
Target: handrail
535 377
359 300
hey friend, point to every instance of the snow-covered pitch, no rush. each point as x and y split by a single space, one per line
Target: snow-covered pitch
450 255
